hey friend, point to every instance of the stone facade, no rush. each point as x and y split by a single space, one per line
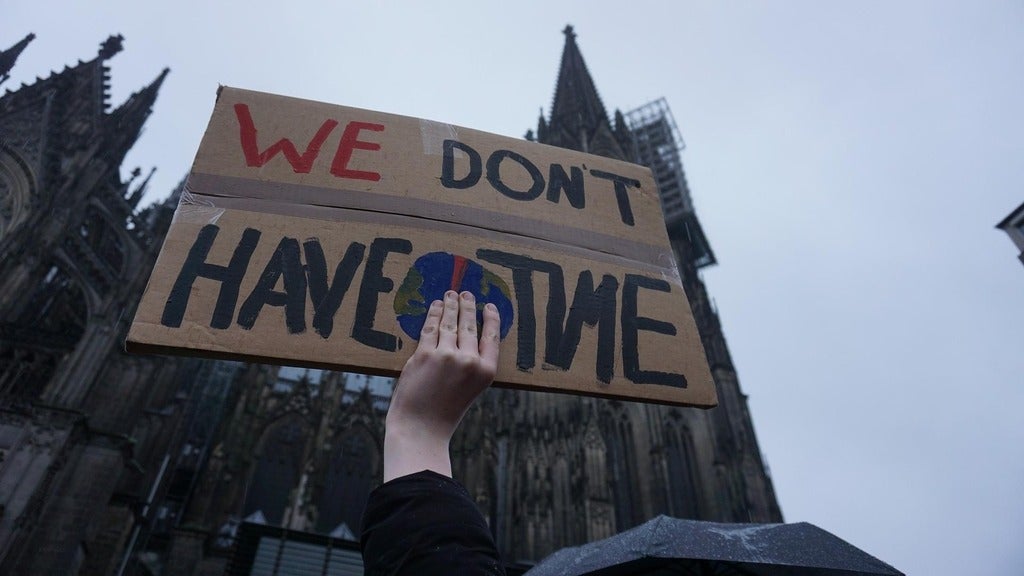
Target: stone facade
86 431
297 448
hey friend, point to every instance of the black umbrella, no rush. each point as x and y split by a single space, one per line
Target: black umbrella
664 546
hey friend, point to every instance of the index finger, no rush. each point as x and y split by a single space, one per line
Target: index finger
428 334
490 339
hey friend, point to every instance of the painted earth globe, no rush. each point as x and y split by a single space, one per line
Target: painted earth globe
437 272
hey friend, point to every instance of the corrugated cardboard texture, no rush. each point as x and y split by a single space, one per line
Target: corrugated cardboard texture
325 249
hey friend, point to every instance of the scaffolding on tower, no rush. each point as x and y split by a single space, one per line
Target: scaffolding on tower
658 145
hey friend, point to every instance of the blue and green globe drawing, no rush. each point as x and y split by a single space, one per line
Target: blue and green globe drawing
437 272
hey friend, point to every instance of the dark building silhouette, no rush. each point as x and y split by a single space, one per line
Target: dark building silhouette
645 459
164 465
92 441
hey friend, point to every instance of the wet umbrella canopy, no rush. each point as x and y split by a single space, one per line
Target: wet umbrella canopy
672 546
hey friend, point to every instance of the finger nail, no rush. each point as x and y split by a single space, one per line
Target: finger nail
467 296
492 307
450 294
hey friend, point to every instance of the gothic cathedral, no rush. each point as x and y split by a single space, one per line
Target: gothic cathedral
139 464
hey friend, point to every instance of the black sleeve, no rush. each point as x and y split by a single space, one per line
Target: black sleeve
423 524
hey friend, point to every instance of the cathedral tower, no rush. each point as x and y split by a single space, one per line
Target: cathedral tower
86 432
554 470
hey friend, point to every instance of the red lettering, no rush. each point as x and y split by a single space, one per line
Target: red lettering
349 142
301 163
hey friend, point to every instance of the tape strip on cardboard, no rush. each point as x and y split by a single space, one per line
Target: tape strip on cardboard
216 186
203 209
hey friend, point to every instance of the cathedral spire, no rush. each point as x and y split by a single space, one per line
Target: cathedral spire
10 56
125 124
577 110
140 190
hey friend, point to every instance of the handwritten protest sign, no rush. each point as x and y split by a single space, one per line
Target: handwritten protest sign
318 235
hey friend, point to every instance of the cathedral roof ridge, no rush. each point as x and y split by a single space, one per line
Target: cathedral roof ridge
108 49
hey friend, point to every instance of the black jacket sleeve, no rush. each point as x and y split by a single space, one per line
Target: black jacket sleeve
423 524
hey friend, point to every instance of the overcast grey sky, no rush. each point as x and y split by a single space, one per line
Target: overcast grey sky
848 160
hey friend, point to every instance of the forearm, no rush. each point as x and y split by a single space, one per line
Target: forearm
420 521
407 451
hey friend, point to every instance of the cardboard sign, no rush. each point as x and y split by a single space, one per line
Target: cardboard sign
318 235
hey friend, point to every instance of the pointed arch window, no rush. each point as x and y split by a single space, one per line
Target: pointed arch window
563 502
352 472
621 470
57 308
103 240
51 321
278 469
683 487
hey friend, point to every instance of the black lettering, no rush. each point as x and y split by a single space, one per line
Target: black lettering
558 181
593 307
494 176
631 326
373 285
285 262
327 298
523 268
621 192
448 179
229 276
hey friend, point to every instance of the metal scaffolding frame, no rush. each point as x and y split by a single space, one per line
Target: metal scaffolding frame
658 145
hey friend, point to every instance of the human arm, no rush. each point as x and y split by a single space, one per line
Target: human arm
420 521
449 369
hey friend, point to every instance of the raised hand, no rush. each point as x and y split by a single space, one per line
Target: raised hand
447 372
